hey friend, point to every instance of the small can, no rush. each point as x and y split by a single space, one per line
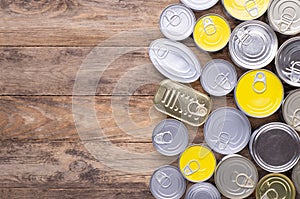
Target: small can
259 93
182 103
275 147
167 183
227 131
277 186
177 22
296 177
200 5
197 163
287 62
291 109
236 176
246 10
203 190
218 77
284 16
253 45
211 32
170 137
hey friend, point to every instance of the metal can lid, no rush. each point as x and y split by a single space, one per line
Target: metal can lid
177 22
275 186
197 163
259 93
284 16
287 62
211 32
253 45
227 131
170 137
199 6
167 183
270 147
203 190
174 60
291 109
296 176
218 77
236 176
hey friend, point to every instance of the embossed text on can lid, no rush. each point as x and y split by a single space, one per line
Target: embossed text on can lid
291 109
203 190
296 176
199 5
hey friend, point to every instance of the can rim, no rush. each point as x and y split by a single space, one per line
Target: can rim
297 185
283 107
200 9
207 184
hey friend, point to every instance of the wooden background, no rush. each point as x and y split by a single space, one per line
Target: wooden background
43 43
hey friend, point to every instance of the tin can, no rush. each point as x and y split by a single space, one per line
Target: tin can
275 147
227 131
218 77
291 109
259 93
170 137
167 183
287 62
177 22
253 45
275 186
296 177
211 32
182 102
200 5
284 16
246 10
174 60
236 176
197 163
203 190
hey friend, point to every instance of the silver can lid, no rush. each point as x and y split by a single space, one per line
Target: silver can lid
270 147
218 77
167 183
291 109
177 22
284 16
199 5
170 137
175 60
203 190
287 62
253 45
227 131
296 176
236 176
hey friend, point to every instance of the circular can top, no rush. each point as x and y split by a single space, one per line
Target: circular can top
275 186
211 32
253 45
287 62
284 16
177 22
270 147
200 5
291 109
203 190
167 183
259 93
236 176
197 163
296 176
246 10
170 137
218 77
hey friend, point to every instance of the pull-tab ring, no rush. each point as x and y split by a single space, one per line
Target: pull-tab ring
209 26
244 181
260 77
244 37
163 179
265 196
160 138
294 72
197 109
161 51
222 81
223 140
295 118
287 19
174 19
188 170
253 12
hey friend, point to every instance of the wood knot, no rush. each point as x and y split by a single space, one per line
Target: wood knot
78 166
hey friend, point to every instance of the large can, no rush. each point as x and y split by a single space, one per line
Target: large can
275 147
296 177
291 109
202 190
199 5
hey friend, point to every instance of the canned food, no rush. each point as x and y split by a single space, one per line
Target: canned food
182 102
236 176
170 137
218 77
202 190
275 186
275 147
199 5
167 183
291 109
246 10
227 131
296 176
259 93
287 62
177 22
253 45
174 60
211 32
197 163
284 16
